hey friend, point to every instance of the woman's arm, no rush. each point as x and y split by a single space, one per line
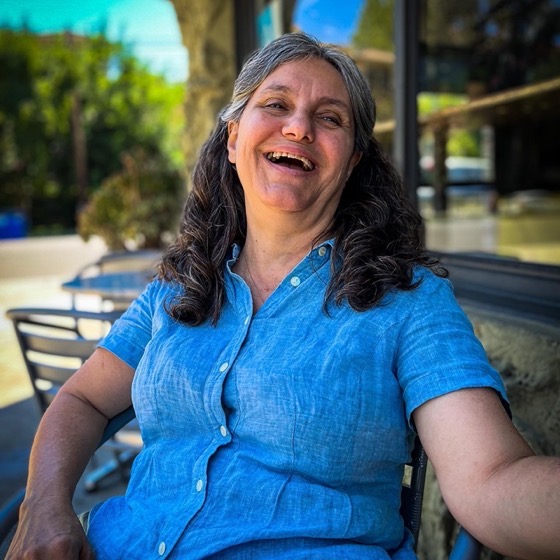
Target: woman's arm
68 434
490 479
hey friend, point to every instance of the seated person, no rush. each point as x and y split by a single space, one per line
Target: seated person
297 337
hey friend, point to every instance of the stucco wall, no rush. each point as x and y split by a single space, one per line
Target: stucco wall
527 354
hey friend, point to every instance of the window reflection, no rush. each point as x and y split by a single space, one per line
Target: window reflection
490 81
489 112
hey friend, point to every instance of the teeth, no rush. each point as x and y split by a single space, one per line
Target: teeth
275 156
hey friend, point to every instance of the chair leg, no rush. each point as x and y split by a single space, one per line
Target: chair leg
120 464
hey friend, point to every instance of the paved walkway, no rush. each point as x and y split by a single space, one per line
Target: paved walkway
31 271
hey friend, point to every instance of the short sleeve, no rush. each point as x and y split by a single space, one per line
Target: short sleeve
131 333
438 351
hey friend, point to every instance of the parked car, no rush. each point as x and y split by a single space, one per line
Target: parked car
470 181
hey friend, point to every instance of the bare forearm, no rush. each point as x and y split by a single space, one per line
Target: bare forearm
67 437
519 509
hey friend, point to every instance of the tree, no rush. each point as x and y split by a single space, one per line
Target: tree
69 97
375 28
207 31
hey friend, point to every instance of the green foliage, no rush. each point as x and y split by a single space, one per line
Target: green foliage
139 204
375 31
429 103
57 89
375 28
461 141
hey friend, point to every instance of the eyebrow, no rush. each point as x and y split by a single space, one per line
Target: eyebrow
279 88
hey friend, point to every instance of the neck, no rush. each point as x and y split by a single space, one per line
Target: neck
266 260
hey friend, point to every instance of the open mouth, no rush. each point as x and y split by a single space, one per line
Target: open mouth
290 160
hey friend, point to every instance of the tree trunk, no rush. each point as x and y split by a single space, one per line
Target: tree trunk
207 30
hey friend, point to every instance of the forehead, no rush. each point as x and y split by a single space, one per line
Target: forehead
309 77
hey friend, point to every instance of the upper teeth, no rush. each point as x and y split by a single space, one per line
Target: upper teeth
274 156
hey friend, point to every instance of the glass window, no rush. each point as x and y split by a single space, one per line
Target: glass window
364 28
489 115
489 84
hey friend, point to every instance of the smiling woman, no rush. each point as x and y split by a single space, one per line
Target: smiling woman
295 338
293 149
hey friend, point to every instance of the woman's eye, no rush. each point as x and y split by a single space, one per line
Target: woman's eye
331 119
275 105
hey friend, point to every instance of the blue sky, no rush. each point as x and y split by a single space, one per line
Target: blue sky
150 28
332 21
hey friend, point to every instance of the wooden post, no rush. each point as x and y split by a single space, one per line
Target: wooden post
440 170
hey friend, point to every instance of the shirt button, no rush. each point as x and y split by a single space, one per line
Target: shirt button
223 431
322 251
199 485
295 281
224 366
161 548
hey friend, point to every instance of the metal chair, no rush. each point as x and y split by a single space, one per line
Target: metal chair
466 547
54 343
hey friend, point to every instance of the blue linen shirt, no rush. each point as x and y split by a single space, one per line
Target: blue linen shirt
281 434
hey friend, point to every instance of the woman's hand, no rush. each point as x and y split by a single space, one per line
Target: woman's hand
68 435
48 533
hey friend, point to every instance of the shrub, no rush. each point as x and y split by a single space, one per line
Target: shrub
139 205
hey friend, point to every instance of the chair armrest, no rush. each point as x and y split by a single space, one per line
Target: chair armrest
9 514
116 423
466 547
10 511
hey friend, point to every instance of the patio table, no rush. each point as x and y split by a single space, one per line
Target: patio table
116 286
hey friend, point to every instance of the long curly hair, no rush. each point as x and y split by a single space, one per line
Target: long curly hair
377 232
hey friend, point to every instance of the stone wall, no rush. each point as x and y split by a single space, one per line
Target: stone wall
527 354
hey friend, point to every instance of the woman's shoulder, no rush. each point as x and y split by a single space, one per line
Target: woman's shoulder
428 281
157 292
427 291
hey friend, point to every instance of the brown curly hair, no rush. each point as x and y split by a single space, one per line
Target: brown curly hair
377 232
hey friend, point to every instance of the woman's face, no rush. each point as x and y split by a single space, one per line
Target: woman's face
293 146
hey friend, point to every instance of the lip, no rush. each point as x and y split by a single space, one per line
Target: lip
297 153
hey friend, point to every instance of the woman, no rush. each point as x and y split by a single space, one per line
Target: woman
297 335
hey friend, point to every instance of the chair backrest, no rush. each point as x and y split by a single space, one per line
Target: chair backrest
55 342
116 262
465 546
122 261
412 494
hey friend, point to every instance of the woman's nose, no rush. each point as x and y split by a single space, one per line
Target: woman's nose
298 126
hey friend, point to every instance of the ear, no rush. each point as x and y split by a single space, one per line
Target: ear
356 157
233 128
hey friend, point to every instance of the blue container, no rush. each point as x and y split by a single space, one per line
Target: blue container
13 224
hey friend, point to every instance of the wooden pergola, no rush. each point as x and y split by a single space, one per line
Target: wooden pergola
522 103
